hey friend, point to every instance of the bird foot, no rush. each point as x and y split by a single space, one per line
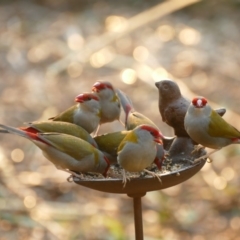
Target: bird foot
73 174
199 159
206 156
153 174
122 123
197 148
95 133
209 160
125 178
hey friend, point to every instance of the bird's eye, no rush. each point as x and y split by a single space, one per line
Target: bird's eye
165 87
87 99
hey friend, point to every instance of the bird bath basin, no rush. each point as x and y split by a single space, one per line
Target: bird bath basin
141 185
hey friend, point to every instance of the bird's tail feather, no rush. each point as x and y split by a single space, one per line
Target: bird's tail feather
14 130
4 131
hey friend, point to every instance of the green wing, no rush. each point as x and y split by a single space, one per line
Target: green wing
73 146
218 127
135 119
109 142
66 116
63 127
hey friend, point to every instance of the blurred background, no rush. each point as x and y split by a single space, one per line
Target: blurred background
51 50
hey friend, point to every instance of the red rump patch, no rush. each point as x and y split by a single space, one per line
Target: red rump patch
29 129
33 134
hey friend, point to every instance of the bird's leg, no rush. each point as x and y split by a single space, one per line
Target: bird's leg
122 123
153 174
96 131
197 148
206 155
125 178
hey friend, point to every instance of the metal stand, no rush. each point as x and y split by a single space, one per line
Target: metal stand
137 207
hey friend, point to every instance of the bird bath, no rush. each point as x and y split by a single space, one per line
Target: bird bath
136 188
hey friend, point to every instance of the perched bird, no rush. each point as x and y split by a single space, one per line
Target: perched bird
59 127
173 106
108 143
66 152
133 118
86 113
138 150
207 128
109 102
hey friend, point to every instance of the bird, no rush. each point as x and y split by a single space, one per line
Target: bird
138 150
173 106
109 102
68 153
207 128
59 127
86 113
132 117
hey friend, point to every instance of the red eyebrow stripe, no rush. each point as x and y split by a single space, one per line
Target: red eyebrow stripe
102 85
85 96
94 97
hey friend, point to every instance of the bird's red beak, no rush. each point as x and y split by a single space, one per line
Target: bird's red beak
79 98
98 86
158 140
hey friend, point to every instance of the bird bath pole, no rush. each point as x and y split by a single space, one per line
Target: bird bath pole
136 188
137 208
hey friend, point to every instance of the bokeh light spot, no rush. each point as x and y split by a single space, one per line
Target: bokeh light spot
128 76
189 36
29 201
75 41
17 155
102 57
115 24
219 183
74 69
140 53
165 33
228 173
160 74
235 223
